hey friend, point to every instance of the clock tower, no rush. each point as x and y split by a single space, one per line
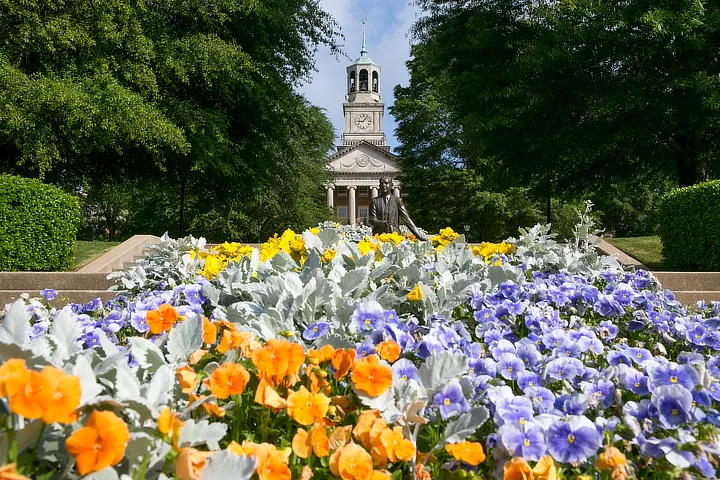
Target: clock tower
364 156
363 105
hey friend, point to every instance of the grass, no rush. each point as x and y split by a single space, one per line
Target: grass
86 252
644 249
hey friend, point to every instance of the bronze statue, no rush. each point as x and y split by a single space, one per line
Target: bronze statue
385 210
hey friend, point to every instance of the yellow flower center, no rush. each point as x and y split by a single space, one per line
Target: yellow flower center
637 385
571 438
367 321
526 442
510 369
560 372
404 377
522 421
447 402
315 329
675 411
673 379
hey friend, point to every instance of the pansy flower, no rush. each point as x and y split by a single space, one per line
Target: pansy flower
368 316
527 441
450 400
573 439
316 330
673 404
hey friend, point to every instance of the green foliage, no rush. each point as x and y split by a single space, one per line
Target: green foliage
690 227
614 102
193 102
38 223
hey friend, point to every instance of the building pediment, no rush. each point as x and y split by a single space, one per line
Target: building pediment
364 158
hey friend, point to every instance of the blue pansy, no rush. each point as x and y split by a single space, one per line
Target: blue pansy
316 330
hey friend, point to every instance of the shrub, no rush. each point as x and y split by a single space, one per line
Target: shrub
38 223
690 227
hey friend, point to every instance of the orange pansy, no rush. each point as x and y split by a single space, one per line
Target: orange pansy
325 354
377 449
351 462
278 360
388 350
228 379
610 458
343 361
161 319
306 407
545 469
266 395
272 463
315 441
371 376
100 443
13 377
517 468
9 472
211 408
64 396
209 332
364 425
398 448
189 463
340 437
469 452
187 378
380 475
196 356
31 400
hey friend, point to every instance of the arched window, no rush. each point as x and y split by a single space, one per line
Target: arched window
375 82
363 80
352 81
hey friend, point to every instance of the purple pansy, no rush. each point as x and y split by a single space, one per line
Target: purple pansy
573 439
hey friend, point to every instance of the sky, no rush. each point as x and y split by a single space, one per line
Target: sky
388 44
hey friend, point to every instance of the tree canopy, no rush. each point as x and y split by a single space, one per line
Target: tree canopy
194 100
562 97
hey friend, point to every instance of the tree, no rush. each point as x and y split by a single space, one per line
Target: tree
565 97
196 98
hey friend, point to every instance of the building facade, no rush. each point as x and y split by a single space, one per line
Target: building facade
364 156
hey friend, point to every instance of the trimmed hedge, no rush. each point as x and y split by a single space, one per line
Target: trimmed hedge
690 227
38 225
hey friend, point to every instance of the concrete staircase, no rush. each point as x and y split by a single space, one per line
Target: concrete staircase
688 287
88 283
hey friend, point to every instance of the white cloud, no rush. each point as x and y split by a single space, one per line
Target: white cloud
388 44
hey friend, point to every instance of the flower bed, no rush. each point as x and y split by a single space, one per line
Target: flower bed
319 357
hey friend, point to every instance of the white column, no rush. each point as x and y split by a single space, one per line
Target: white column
351 204
396 191
329 192
373 192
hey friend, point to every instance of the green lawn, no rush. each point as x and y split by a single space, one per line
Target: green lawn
644 249
86 252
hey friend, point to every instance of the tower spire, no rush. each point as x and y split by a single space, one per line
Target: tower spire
363 51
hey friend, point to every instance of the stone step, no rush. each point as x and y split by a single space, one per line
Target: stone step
689 281
63 298
127 251
693 296
33 282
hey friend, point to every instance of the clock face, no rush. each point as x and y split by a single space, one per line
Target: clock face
363 121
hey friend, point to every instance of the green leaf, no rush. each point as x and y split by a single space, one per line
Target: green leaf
185 339
440 368
465 425
225 465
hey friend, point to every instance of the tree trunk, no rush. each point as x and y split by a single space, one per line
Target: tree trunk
549 198
687 169
183 183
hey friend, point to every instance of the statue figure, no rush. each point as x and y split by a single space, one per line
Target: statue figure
385 210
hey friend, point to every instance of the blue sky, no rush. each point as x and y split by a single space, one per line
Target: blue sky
388 44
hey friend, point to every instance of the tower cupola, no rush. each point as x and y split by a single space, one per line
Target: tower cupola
363 77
